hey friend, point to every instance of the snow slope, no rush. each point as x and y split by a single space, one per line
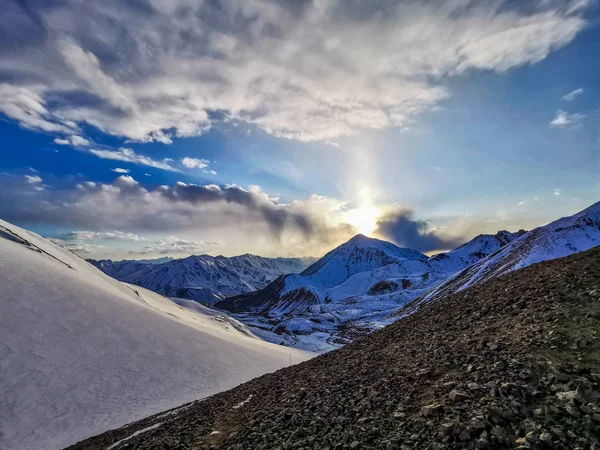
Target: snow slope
81 353
560 238
351 290
203 278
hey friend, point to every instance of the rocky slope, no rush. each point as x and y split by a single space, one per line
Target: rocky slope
510 363
203 278
351 291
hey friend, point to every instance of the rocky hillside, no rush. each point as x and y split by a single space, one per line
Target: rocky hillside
203 278
510 363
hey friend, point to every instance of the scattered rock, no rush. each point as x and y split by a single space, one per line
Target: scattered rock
432 410
499 366
458 396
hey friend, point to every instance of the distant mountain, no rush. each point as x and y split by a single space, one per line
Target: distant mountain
204 278
560 238
81 352
351 290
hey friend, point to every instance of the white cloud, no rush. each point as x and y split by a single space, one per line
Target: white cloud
302 70
563 119
73 140
200 164
522 202
572 95
557 192
128 155
173 245
79 236
33 179
78 247
194 163
26 105
81 242
119 170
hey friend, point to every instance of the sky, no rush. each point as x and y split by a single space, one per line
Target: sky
151 128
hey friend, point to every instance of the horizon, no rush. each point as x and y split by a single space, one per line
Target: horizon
317 257
154 129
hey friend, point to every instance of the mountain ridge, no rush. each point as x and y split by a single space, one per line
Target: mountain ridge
203 278
562 237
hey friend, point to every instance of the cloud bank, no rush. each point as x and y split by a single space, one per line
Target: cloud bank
229 212
151 70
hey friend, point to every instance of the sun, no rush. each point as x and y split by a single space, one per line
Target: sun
364 218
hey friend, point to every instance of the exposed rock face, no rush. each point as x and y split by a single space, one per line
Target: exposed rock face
383 286
512 362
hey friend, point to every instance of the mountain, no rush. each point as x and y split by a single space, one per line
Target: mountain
81 353
509 363
204 278
351 290
473 251
560 238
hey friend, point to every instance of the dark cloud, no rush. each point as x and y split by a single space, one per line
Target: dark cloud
125 204
401 228
276 216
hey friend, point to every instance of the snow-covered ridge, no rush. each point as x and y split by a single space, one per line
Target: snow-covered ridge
560 238
81 353
203 278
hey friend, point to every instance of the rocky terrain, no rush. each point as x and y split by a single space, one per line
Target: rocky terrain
510 363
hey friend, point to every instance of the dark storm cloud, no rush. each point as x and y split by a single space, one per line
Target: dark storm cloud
276 216
125 204
405 231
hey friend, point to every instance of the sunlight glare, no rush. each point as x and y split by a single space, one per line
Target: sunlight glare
364 218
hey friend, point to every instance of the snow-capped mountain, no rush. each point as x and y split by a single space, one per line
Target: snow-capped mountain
474 250
203 278
560 238
351 290
81 353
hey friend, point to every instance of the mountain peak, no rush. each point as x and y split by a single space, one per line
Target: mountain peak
361 239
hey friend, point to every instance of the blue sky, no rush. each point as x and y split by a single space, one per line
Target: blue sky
283 130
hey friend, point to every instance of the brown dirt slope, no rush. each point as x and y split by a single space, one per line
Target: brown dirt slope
511 363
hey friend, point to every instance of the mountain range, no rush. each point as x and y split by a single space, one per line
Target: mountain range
363 284
81 353
203 278
351 290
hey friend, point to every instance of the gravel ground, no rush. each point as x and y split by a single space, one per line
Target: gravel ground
511 363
